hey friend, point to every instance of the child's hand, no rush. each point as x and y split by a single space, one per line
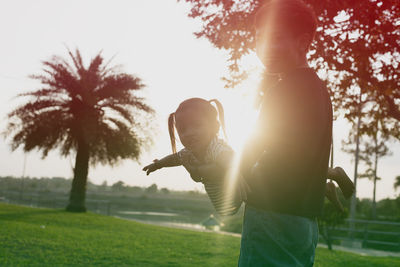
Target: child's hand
151 167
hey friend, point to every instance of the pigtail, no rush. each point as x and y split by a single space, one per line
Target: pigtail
221 114
171 129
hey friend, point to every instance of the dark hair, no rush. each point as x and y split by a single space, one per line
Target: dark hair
171 130
295 15
206 109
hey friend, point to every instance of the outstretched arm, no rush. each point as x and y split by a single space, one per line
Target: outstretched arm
168 161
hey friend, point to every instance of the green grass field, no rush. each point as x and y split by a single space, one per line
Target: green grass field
49 237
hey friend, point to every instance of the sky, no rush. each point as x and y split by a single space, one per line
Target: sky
152 39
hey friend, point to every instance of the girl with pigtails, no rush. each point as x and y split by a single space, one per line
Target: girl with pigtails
205 156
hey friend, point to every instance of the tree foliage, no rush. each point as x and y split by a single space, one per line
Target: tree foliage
397 182
96 103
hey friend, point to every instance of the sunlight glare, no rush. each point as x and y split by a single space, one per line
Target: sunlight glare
240 120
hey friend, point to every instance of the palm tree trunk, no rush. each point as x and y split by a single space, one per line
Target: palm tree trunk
78 190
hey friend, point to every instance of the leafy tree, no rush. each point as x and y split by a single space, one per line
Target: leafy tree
397 182
357 45
364 208
103 186
136 189
375 150
374 133
164 190
389 208
91 110
329 220
152 189
118 186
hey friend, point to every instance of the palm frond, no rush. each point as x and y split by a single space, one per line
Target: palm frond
44 93
78 62
129 101
43 131
96 103
118 86
35 107
115 143
122 111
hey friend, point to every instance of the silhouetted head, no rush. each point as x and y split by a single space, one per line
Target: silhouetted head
197 122
284 32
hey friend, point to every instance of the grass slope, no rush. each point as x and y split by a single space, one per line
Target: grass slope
48 237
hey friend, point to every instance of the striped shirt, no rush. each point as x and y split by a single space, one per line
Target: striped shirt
226 194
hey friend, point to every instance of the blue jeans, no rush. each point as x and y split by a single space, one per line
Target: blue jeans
276 239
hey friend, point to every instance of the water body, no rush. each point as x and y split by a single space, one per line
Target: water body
168 219
150 213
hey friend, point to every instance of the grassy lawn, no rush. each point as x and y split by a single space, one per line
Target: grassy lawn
49 237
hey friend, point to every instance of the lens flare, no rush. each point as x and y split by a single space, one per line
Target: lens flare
240 124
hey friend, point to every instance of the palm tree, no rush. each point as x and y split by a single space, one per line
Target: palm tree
374 135
89 110
370 154
396 182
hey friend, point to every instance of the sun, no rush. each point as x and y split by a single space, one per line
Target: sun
240 124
